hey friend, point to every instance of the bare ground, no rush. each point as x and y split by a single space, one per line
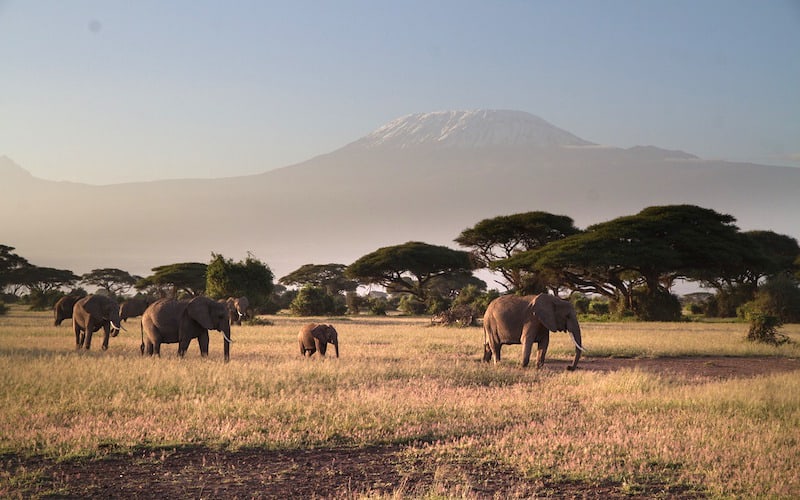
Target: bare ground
341 472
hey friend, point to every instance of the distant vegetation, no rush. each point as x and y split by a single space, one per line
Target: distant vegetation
625 267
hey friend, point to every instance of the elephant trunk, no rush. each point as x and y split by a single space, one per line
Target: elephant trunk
575 332
336 347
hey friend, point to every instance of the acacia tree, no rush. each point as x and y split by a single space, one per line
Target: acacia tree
331 277
493 240
643 253
765 255
114 281
10 262
409 268
172 279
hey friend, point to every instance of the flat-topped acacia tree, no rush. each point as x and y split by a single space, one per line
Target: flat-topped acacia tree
409 268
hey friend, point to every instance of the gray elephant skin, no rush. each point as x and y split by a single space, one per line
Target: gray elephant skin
170 321
92 313
132 308
63 308
315 337
513 319
237 309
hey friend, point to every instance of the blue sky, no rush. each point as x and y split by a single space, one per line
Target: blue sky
115 91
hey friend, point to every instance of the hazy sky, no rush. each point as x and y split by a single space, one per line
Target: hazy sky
113 91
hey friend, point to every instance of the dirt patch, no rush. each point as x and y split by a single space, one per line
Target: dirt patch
323 473
700 368
340 473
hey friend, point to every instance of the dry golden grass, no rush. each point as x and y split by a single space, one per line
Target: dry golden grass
400 381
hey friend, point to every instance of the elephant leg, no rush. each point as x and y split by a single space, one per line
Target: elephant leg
202 340
78 336
323 348
106 334
540 354
487 353
302 348
155 347
87 339
527 347
183 345
496 351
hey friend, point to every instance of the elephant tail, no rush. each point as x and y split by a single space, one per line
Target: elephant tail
141 347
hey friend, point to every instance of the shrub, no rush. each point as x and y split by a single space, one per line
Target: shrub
656 306
764 328
377 305
3 308
312 301
599 307
779 297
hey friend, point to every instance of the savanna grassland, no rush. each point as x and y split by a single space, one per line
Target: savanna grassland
681 410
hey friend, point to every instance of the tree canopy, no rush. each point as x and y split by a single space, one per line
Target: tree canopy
410 267
250 278
493 240
186 277
331 277
114 281
9 262
649 251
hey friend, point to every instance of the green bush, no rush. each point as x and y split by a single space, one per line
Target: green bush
313 301
779 297
764 328
656 306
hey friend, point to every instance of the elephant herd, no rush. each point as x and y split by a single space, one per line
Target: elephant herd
509 319
171 321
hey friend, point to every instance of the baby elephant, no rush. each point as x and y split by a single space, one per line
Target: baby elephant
314 337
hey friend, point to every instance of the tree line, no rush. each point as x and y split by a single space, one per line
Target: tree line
626 267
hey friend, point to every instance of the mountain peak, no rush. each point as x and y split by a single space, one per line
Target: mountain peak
10 170
476 128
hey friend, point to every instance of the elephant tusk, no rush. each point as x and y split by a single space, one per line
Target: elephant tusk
118 327
226 338
576 342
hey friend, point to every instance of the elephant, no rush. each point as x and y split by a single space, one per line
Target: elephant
91 313
315 337
63 308
170 321
237 309
132 308
512 319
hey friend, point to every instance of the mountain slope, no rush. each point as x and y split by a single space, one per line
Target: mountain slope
416 178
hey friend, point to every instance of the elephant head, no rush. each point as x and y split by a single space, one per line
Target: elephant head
237 309
558 315
203 314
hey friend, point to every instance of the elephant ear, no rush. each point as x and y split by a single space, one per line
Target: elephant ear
544 308
199 311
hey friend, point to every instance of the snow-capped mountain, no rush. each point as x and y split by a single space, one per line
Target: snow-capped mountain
423 177
473 129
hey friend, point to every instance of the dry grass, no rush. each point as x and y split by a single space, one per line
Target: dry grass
400 381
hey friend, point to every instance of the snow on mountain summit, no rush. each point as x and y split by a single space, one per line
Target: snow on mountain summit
479 128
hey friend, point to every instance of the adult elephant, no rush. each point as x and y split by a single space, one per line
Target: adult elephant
512 319
237 309
170 321
92 313
315 337
63 308
132 308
